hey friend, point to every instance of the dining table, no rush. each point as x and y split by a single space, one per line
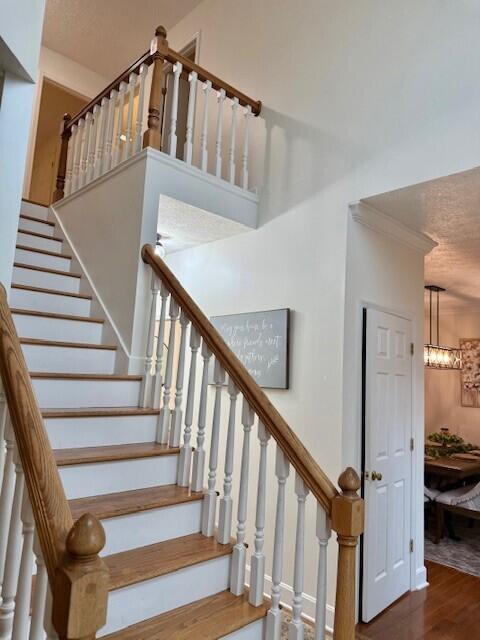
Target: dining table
451 469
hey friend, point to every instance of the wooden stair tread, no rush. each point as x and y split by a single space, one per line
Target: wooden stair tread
55 316
73 345
118 504
99 412
112 453
152 561
57 272
39 235
24 216
55 254
83 376
55 292
208 619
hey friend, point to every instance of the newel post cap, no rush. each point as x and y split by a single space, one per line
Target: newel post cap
159 42
81 582
348 512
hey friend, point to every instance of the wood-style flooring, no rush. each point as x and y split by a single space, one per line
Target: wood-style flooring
449 609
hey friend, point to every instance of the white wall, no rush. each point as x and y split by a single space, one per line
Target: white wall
20 28
443 406
359 98
69 74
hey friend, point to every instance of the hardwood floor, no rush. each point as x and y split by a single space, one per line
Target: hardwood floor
449 609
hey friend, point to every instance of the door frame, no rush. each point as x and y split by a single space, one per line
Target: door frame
363 307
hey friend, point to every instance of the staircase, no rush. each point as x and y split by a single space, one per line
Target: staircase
128 488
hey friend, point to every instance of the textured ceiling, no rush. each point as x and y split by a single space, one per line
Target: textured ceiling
447 210
108 35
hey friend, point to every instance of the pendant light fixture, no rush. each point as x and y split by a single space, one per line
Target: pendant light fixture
436 356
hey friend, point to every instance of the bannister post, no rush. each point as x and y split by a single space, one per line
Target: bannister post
81 583
153 136
347 520
62 161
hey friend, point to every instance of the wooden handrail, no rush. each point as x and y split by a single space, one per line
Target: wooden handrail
78 577
300 458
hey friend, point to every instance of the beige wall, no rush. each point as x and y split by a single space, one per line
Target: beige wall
442 388
54 102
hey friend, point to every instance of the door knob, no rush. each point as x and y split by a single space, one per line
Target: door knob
376 476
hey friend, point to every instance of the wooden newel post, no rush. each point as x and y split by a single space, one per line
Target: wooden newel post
81 584
153 135
348 522
62 161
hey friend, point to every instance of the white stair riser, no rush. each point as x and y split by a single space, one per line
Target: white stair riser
27 240
42 260
68 433
78 393
253 631
165 593
58 329
45 280
155 525
36 227
94 479
68 359
35 210
49 302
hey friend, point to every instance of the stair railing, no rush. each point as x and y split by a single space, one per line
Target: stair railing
117 123
69 599
342 511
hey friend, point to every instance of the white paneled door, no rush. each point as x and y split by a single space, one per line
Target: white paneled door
388 468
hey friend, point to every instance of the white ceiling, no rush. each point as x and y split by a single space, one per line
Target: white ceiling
447 210
108 35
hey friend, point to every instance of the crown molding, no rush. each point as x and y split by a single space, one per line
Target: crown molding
380 222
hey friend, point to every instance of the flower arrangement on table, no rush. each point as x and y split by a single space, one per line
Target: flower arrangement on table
446 444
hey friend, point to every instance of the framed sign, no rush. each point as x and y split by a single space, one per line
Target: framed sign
260 340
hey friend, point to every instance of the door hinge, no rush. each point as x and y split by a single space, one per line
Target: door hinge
412 348
412 444
411 545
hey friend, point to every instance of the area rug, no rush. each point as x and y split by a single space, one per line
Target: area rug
463 554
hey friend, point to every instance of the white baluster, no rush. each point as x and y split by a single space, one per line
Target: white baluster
172 138
3 423
199 453
14 549
188 151
296 627
158 382
85 148
257 572
226 503
70 157
248 113
107 159
92 142
117 156
6 496
274 616
324 533
132 82
218 143
185 458
231 150
21 619
101 137
142 74
47 621
78 155
239 556
207 87
209 508
177 415
147 376
164 418
39 595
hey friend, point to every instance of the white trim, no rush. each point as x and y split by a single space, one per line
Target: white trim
380 222
421 581
92 285
309 602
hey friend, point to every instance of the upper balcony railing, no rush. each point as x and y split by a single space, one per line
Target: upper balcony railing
178 120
